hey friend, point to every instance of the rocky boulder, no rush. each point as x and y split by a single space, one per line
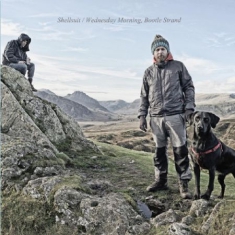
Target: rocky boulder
34 131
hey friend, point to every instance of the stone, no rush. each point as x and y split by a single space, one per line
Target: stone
165 218
199 208
41 188
209 223
156 206
188 220
110 214
179 229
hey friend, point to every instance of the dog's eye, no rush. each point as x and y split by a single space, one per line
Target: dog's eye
197 119
206 119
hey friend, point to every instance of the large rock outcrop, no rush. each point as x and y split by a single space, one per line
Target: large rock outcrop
35 171
34 131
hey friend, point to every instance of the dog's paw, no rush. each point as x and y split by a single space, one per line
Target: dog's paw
206 197
196 196
220 196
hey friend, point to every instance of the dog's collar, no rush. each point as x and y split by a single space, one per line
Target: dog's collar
219 145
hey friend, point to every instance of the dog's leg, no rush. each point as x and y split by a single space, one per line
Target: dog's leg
196 170
222 184
210 188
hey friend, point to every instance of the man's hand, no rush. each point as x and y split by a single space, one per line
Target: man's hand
28 61
187 114
21 62
143 123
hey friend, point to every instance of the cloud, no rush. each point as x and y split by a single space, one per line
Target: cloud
198 65
55 69
45 23
85 37
231 80
221 39
76 49
216 86
47 33
114 28
9 28
44 15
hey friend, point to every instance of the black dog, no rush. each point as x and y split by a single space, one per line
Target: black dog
208 152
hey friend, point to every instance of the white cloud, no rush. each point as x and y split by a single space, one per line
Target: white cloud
44 15
231 80
76 49
216 86
48 33
221 40
220 35
198 65
9 28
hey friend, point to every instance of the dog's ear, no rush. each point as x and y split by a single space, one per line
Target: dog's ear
214 120
191 117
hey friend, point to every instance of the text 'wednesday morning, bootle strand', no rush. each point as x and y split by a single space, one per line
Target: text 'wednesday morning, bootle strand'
118 20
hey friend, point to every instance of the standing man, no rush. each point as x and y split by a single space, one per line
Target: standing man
168 92
15 56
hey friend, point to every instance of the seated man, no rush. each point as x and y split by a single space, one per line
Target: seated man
15 56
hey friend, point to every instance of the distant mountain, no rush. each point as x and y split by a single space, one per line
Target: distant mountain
47 91
74 109
85 100
221 104
114 105
131 108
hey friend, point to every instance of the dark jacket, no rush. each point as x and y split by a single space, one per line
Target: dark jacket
13 53
166 91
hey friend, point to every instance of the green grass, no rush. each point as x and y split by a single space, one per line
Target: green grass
129 171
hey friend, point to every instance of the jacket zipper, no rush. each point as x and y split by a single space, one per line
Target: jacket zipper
163 101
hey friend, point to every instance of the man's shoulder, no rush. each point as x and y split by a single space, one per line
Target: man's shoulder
150 68
176 62
13 42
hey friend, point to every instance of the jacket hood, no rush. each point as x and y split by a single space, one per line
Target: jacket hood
169 57
23 37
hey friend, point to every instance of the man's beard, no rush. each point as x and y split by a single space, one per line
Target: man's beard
161 58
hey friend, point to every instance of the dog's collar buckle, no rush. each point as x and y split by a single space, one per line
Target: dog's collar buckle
219 145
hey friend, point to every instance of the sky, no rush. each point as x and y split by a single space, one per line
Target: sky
103 47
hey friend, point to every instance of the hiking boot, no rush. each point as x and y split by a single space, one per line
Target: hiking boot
33 89
184 192
157 185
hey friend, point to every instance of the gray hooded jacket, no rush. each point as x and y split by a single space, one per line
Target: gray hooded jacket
166 91
13 52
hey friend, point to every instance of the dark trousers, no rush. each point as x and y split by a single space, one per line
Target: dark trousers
22 68
181 163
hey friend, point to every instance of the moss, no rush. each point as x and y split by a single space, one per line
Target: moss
73 182
65 158
41 125
64 145
24 215
130 200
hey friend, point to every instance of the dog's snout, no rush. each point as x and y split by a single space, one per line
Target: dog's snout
200 128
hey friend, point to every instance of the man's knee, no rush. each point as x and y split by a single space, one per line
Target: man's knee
32 65
160 156
181 151
22 68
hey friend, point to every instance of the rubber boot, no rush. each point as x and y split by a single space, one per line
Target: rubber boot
161 168
30 81
183 187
